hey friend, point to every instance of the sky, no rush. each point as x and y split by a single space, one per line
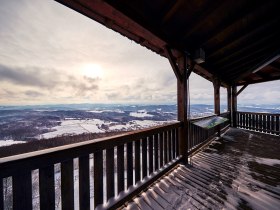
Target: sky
50 54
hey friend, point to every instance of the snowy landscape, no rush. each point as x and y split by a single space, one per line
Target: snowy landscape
20 124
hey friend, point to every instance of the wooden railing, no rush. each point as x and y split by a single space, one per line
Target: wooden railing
198 136
262 122
117 167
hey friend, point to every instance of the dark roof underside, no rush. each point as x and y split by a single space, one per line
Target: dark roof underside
237 36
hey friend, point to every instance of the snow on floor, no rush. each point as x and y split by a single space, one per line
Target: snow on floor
234 172
268 161
4 143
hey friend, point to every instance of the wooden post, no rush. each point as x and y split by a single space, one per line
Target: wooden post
229 103
182 102
217 84
234 105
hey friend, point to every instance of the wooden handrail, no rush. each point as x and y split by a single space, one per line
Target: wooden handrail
259 113
261 122
157 147
33 160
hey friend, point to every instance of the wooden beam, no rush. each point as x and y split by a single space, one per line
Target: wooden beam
230 21
243 88
198 20
217 85
217 101
190 70
259 81
182 102
240 68
275 65
263 75
229 102
246 50
172 9
173 63
262 64
242 38
234 106
207 75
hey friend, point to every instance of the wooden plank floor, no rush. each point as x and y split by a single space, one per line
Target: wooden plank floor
239 171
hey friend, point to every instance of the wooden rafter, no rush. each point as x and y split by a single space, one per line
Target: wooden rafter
173 8
241 37
262 64
173 63
259 81
198 20
237 55
263 75
243 88
232 20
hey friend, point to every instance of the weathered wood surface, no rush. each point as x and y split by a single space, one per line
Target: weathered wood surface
34 160
217 174
84 182
130 149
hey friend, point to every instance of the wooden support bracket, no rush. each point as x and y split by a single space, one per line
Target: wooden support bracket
190 70
172 61
243 88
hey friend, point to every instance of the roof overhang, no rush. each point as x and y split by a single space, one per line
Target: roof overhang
237 36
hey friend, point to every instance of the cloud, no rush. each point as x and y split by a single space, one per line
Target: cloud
31 93
25 76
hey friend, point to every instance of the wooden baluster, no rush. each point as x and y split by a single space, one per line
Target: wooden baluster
144 157
277 126
257 121
264 123
46 188
254 121
110 173
84 184
246 121
1 194
67 185
243 120
165 147
161 149
169 146
22 190
129 158
261 122
120 167
98 178
177 141
197 140
191 136
151 155
268 123
156 150
238 119
272 128
250 121
137 161
173 144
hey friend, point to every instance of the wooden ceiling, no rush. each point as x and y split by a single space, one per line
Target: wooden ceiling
238 36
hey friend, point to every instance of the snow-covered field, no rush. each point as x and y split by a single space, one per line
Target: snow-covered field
75 127
4 143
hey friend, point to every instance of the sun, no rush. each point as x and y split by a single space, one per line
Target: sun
92 70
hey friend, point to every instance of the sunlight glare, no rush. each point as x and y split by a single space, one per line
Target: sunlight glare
92 71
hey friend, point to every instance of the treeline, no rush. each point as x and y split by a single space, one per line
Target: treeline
35 145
